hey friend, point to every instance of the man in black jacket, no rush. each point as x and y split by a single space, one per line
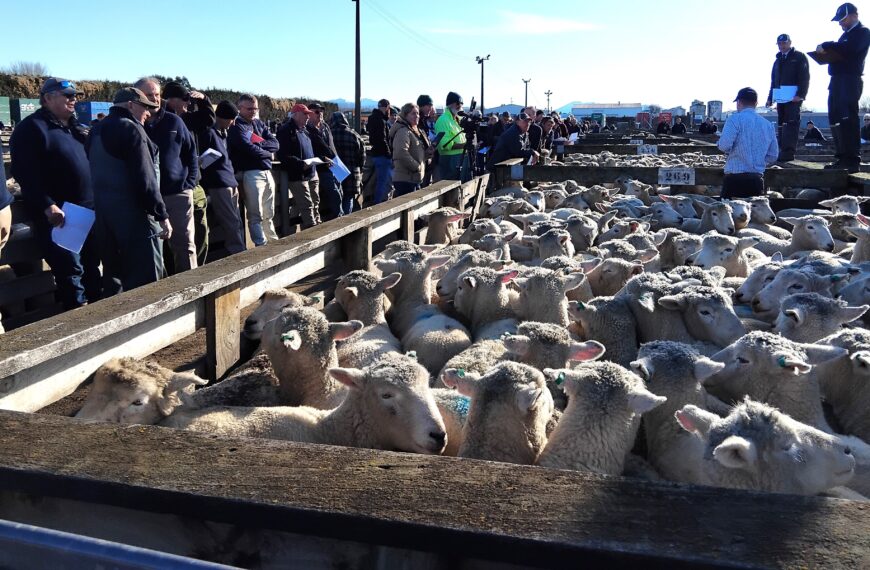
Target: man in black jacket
679 127
846 85
300 142
514 143
382 157
813 133
790 69
331 198
351 149
536 133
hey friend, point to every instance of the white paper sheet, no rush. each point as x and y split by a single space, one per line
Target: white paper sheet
209 157
785 94
315 161
339 170
573 137
77 224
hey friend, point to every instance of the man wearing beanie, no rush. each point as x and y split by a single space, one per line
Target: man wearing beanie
218 178
427 125
452 144
382 157
352 151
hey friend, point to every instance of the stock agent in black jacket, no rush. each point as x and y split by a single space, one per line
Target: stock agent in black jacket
379 132
290 151
512 143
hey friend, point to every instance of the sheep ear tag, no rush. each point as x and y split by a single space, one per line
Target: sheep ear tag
291 340
560 379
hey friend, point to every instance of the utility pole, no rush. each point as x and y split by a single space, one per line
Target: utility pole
526 81
480 60
357 106
548 93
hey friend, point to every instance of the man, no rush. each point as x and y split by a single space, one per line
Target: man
427 125
50 164
679 127
251 146
514 143
331 199
179 172
865 130
300 141
536 133
708 127
219 180
750 143
131 215
382 157
548 136
198 114
814 134
351 149
789 69
846 86
451 147
664 128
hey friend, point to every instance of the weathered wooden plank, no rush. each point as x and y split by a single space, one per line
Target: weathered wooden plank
406 230
522 514
356 249
223 344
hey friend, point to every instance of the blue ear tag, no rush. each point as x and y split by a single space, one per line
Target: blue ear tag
836 278
412 354
461 373
781 361
288 336
560 379
582 305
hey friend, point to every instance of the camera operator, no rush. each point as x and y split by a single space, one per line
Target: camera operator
514 143
453 162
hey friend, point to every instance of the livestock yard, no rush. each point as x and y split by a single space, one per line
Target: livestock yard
632 372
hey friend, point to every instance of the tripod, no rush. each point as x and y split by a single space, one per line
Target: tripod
470 143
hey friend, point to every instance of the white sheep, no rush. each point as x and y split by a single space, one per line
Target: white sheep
809 233
724 251
845 204
608 320
270 305
361 295
809 317
542 295
611 275
788 281
482 297
716 217
441 226
446 285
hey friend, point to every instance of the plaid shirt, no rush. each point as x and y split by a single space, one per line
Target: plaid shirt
349 147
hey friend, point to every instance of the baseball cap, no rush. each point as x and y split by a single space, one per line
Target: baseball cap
383 103
175 89
747 94
125 94
783 38
843 11
505 115
523 117
316 107
300 108
65 86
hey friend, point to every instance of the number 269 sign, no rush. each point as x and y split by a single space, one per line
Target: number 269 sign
677 176
647 149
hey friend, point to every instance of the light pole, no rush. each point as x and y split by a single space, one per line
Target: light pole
357 105
480 60
548 93
526 81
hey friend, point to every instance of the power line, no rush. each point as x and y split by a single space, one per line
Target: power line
411 33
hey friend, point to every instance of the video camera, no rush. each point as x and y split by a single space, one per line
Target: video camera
471 120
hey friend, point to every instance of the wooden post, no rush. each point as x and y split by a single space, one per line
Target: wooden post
356 249
222 316
406 232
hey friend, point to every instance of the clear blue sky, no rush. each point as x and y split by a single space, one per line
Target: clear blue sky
667 52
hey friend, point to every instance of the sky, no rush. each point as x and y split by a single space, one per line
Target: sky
667 52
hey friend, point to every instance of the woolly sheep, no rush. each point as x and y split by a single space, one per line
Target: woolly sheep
477 229
758 279
497 245
600 424
845 204
724 251
809 233
583 231
845 381
608 278
483 298
809 317
683 205
271 303
741 210
552 243
716 217
765 303
861 251
361 295
608 320
542 295
446 286
441 226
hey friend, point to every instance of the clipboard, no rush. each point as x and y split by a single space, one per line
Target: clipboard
830 56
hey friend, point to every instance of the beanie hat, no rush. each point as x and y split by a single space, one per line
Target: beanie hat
226 110
175 89
424 100
453 98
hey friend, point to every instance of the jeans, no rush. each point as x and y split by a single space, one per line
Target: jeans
384 173
843 96
331 206
77 275
403 188
259 189
307 201
225 207
448 167
180 209
351 187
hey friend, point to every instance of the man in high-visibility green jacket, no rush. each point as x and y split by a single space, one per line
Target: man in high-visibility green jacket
452 144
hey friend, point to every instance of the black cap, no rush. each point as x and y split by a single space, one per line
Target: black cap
175 89
226 110
383 103
523 117
56 84
505 115
783 38
423 100
315 106
126 94
747 94
843 11
453 98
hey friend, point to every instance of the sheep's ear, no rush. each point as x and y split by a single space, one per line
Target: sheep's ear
579 306
177 391
291 339
849 314
705 368
647 302
695 420
350 377
642 400
586 351
572 281
819 353
352 291
647 255
341 331
672 302
435 261
637 269
828 203
558 376
456 218
776 257
389 281
791 221
791 363
747 242
643 367
431 248
518 344
511 236
495 254
386 265
797 314
470 281
464 382
659 238
861 362
508 276
589 265
736 453
528 398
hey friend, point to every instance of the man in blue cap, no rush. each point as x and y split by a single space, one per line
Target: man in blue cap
750 143
846 68
790 69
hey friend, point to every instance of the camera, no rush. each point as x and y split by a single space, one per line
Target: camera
471 120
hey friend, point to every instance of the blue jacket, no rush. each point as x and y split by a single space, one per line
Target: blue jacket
511 144
220 173
246 155
179 164
852 47
50 163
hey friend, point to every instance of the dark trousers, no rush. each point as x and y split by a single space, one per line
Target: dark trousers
331 205
403 188
200 224
744 185
789 121
351 188
131 256
843 95
77 275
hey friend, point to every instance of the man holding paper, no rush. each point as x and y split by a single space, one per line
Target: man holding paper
789 83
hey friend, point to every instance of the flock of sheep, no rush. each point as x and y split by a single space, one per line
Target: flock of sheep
619 330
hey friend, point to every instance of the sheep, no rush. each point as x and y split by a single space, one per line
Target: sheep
861 251
446 286
542 295
839 224
684 246
716 217
611 275
857 292
764 367
582 292
272 302
665 239
741 211
758 279
583 232
499 245
389 405
809 317
420 326
510 409
845 381
441 228
664 216
724 251
483 298
845 204
477 229
608 320
674 370
809 233
620 230
683 205
361 295
757 447
552 243
300 343
765 303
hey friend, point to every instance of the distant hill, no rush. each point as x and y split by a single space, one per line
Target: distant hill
345 105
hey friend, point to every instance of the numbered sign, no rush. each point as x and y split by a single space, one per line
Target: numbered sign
647 149
636 142
677 176
516 172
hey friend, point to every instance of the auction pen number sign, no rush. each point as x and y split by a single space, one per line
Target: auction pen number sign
677 176
647 149
636 142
